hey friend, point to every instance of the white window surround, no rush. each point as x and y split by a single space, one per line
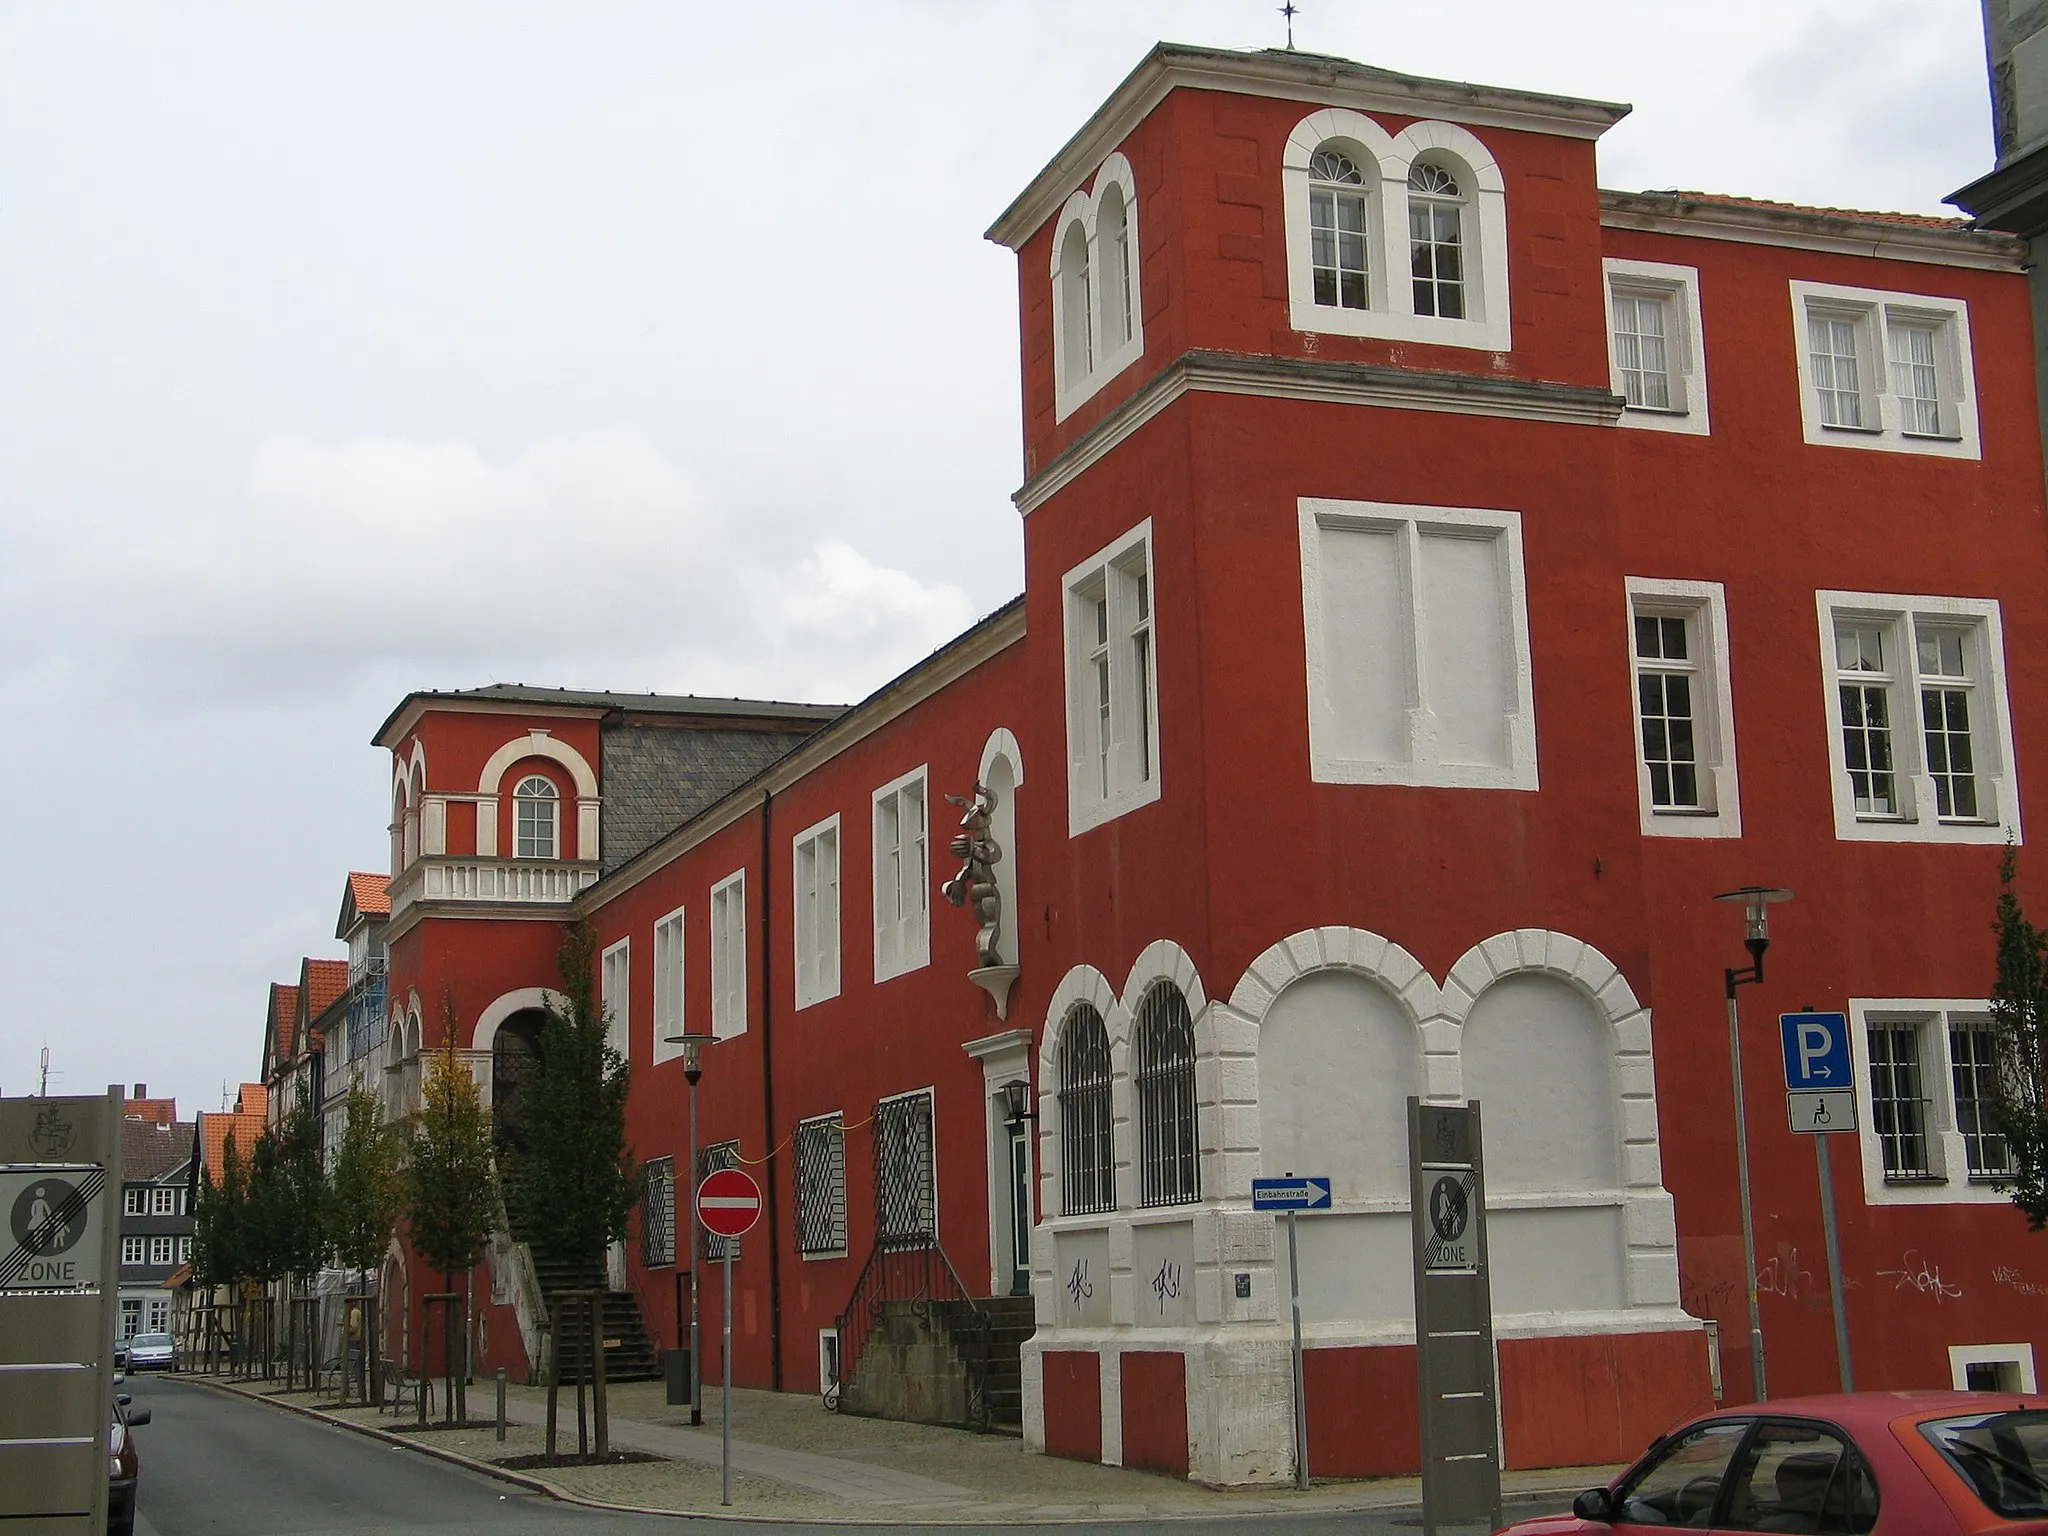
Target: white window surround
1389 157
1332 628
814 894
671 949
536 818
1106 288
902 875
1873 312
1703 606
1962 1356
729 956
1951 1183
615 992
1990 728
1132 753
1679 289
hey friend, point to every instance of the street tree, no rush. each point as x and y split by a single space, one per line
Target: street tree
302 1193
217 1217
2019 1025
363 1193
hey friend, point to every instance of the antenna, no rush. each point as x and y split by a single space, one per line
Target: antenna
1290 10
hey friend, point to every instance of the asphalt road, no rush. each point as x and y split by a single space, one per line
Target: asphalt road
216 1465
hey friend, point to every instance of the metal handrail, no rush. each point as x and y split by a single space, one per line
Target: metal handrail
895 1273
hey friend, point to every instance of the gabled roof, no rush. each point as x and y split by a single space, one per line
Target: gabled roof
322 984
244 1122
365 898
152 1152
279 1011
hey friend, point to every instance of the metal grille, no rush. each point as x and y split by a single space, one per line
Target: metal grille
1168 1170
724 1154
1898 1108
820 1146
1972 1050
658 1214
906 1202
1087 1151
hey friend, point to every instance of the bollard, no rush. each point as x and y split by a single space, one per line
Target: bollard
501 1405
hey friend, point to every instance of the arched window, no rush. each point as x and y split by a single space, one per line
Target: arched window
397 830
1087 1148
1337 230
536 811
1113 239
1077 306
1436 254
1164 1053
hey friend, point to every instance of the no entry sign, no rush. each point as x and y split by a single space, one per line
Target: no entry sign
728 1202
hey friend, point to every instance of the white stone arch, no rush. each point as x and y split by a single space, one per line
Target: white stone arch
1002 770
1111 356
1002 742
485 1035
1164 960
1371 148
1081 984
1485 224
1452 142
537 743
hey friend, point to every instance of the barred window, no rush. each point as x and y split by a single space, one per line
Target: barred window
820 1147
1898 1105
658 1213
1974 1064
906 1199
1087 1148
1164 1051
723 1154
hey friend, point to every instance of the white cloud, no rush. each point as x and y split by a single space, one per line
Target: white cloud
591 560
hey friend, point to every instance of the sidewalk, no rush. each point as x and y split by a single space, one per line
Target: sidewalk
794 1460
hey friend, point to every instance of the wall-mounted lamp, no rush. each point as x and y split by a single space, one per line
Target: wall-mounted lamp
1017 1103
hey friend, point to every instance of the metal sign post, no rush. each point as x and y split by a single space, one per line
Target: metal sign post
728 1204
1291 1195
1453 1317
1819 1099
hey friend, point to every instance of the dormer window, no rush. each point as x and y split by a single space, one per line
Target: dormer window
1098 316
536 818
1436 216
1337 230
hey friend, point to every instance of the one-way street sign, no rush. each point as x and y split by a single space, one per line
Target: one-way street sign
1291 1194
1816 1051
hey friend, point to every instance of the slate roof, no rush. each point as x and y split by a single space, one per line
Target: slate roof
151 1151
682 705
657 777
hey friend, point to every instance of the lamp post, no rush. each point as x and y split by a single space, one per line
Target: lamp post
693 1069
1756 901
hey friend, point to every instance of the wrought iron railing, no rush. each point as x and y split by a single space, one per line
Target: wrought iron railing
924 1279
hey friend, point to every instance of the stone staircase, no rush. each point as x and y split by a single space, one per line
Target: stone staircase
1011 1322
629 1354
922 1360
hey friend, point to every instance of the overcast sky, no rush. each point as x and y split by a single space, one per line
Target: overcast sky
348 349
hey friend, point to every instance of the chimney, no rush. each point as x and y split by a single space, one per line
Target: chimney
141 1091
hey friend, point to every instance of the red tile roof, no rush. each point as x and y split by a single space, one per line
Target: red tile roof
323 981
151 1111
372 893
244 1123
284 1003
1857 215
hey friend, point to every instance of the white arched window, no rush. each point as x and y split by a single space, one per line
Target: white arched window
1077 304
536 818
1339 231
1087 1144
1113 240
1436 240
397 830
1163 1055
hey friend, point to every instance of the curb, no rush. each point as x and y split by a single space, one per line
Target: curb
565 1496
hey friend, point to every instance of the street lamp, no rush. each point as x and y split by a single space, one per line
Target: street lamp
1017 1103
693 1069
1756 902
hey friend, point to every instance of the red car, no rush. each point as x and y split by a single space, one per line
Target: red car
1883 1463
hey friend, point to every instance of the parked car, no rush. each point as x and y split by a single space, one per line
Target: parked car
120 1354
1881 1463
124 1466
151 1352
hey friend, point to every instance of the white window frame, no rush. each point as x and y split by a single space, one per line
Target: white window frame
1132 751
1327 765
136 1201
903 904
163 1251
615 995
1386 159
134 1252
1873 312
1105 357
729 956
671 972
163 1200
1703 606
554 804
1990 728
815 907
1962 1356
1952 1182
185 1250
1685 351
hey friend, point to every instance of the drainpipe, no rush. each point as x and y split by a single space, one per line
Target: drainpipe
771 1184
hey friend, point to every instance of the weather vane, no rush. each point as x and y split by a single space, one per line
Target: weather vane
1290 11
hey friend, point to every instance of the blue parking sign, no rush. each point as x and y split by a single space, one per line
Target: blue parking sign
1816 1051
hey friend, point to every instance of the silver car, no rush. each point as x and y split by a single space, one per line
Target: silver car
151 1352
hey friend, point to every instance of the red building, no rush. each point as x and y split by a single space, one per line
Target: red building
1442 577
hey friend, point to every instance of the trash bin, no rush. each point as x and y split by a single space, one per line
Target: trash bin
675 1365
